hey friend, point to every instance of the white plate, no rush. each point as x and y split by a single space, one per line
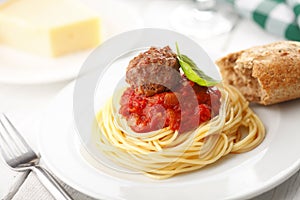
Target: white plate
18 67
233 177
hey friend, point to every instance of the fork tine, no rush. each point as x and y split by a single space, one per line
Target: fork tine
14 145
8 149
11 142
5 150
19 142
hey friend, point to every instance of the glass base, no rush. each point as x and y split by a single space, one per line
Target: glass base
200 24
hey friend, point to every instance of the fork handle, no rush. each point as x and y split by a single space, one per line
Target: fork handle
18 182
51 184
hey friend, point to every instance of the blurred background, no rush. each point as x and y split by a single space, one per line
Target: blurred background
219 26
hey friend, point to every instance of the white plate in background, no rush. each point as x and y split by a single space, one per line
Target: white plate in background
18 67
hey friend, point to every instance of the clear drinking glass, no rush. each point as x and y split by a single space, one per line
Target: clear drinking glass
200 19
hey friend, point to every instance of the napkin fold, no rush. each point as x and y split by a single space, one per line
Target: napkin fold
32 189
279 17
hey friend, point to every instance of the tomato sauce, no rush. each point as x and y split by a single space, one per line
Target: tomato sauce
183 109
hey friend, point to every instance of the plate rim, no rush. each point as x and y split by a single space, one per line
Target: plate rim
276 180
266 186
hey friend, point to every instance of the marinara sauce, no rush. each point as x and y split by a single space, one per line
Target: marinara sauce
183 109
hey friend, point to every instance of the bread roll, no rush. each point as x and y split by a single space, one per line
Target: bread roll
265 74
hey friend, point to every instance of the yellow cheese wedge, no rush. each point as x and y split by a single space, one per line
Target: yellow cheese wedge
48 27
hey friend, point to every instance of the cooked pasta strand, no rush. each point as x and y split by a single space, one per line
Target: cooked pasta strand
168 153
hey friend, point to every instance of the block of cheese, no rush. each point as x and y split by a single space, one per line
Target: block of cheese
48 27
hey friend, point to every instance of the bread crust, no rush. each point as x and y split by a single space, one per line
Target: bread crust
265 74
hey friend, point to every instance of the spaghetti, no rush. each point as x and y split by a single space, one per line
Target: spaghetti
165 153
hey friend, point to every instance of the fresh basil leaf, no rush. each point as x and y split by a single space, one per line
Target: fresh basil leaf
192 72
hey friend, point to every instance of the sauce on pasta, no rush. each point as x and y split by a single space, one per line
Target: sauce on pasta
145 114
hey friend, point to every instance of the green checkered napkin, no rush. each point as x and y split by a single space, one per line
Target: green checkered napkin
279 17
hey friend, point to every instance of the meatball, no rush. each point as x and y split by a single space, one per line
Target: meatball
153 71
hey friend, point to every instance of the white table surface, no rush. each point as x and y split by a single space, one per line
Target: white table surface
25 103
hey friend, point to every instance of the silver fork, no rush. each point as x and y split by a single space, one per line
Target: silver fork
20 157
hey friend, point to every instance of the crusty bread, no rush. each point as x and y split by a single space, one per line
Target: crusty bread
265 74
